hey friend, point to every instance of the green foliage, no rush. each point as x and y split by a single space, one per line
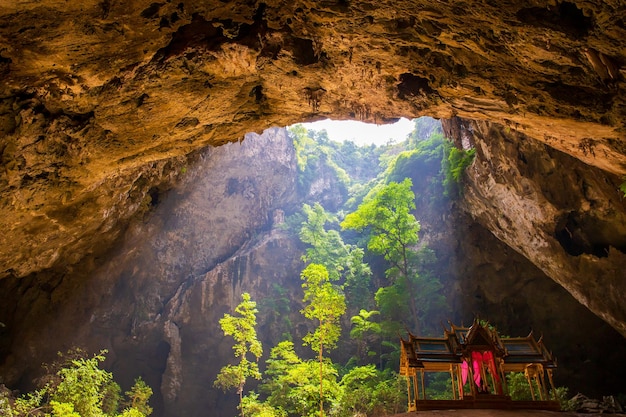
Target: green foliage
424 128
303 145
393 302
131 412
282 358
438 386
358 391
5 403
393 232
138 397
293 384
276 308
623 187
454 165
326 246
83 385
314 152
243 329
358 280
293 223
368 391
459 160
519 390
364 330
297 387
79 388
393 229
389 396
402 166
324 303
252 406
63 409
111 399
561 394
32 401
307 156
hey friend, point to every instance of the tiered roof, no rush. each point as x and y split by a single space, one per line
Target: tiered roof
431 353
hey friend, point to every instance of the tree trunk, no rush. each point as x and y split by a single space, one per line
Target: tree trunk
321 376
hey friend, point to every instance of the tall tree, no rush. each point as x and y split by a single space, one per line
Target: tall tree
243 329
326 246
326 304
393 233
342 261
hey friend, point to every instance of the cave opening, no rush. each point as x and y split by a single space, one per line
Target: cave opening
363 133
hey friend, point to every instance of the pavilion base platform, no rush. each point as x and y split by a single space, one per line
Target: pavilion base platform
497 402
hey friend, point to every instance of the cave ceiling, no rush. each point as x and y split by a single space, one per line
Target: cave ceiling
103 103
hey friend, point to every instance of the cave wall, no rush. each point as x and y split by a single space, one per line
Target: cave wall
566 217
156 299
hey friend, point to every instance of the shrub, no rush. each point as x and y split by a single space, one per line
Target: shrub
454 165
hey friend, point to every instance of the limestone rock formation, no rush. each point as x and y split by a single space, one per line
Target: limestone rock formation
563 215
98 97
156 301
104 105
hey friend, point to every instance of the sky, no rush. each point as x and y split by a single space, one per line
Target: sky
363 133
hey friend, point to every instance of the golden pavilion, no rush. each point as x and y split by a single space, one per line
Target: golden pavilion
477 360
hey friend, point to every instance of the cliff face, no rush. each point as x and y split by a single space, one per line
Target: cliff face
156 300
564 216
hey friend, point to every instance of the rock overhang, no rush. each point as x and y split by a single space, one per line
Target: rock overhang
103 102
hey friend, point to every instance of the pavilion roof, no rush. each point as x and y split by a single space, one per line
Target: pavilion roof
458 342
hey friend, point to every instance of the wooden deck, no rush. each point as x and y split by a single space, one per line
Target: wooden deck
494 402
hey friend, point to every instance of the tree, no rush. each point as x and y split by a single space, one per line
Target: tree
393 233
111 399
292 384
363 328
326 304
138 397
358 279
82 385
453 165
326 246
341 260
242 329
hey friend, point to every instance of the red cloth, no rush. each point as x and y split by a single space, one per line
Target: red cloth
464 372
477 359
486 359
